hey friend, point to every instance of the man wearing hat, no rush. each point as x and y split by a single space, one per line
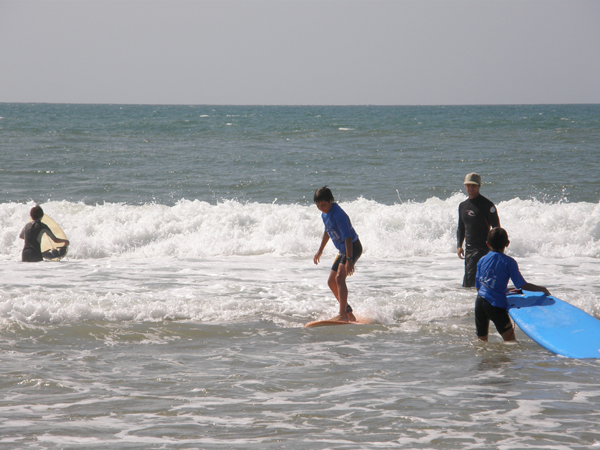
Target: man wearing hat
476 216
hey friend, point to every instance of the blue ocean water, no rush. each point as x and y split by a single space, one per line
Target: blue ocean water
176 320
142 154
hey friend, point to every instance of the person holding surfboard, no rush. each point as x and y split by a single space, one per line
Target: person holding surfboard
32 234
493 272
476 216
339 229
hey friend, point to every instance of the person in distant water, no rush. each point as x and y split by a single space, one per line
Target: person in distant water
493 273
476 216
339 229
32 234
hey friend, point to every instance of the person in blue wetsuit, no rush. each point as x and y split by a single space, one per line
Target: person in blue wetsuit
32 233
339 229
493 272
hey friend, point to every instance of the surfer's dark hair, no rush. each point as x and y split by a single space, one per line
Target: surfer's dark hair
323 194
497 238
36 212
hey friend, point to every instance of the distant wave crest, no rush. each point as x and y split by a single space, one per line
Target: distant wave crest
197 229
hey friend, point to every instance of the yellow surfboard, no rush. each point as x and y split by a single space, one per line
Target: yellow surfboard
50 249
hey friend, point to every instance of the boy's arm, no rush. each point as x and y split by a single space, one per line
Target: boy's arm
50 234
324 242
519 281
61 241
535 288
349 256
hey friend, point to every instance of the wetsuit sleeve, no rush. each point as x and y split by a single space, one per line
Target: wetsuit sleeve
460 231
492 216
515 274
344 225
46 230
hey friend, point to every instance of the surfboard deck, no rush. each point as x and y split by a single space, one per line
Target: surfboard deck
556 325
330 322
51 250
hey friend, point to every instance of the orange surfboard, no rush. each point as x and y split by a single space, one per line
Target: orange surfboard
326 323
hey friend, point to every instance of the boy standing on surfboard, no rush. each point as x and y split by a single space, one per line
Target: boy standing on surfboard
339 229
32 234
493 273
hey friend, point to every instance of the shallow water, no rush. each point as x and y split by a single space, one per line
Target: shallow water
257 385
185 354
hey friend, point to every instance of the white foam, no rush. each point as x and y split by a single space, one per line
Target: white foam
231 261
199 229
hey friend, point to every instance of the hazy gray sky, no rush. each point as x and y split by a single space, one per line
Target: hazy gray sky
400 52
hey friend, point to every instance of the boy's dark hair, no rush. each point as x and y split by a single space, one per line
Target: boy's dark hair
323 194
497 238
36 212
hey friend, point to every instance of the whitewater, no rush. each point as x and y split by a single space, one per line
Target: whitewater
191 236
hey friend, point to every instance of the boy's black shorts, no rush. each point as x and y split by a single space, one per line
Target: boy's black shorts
341 259
484 312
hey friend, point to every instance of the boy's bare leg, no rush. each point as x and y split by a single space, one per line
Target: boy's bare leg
337 284
509 335
342 290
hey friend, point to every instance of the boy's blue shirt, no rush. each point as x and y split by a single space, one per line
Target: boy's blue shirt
338 227
493 272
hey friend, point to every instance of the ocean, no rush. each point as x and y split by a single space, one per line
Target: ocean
176 319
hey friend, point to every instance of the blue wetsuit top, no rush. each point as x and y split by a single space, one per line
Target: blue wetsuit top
493 273
338 227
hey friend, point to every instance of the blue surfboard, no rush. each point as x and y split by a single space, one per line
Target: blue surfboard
556 325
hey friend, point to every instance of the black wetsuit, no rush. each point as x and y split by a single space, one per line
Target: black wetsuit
32 234
475 219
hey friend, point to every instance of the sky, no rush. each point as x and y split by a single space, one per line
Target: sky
300 52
